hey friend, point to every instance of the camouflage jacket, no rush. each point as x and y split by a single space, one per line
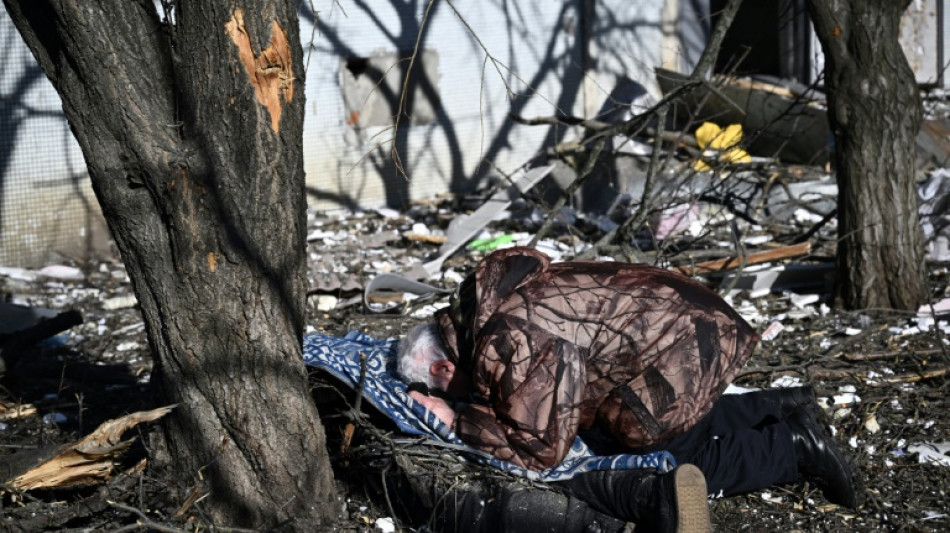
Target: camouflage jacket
637 352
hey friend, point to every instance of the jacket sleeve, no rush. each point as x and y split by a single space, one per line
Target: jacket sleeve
534 385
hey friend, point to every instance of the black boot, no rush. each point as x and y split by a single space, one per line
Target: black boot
819 459
671 502
683 505
791 400
515 509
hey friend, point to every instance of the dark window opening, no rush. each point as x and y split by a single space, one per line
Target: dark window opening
767 38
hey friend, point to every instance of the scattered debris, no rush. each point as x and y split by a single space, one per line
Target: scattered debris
772 331
61 272
791 119
719 145
464 228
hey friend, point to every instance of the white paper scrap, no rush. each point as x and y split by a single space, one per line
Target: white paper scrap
61 272
772 331
386 525
931 452
802 300
786 381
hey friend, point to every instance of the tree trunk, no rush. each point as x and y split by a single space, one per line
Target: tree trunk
875 113
192 133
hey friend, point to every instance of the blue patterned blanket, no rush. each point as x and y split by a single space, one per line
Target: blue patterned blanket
341 358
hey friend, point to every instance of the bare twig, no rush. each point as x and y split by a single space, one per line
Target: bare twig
743 260
394 152
351 426
660 110
711 52
143 522
818 225
912 377
194 495
831 374
876 356
639 217
581 178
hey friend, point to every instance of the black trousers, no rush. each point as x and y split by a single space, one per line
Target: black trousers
740 446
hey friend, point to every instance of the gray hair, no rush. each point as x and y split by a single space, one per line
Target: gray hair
421 348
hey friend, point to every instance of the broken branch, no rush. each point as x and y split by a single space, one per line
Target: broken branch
766 256
88 461
350 428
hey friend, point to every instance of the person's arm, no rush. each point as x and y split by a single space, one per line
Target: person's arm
534 399
496 444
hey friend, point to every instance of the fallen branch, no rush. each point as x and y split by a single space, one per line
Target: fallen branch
911 377
874 356
88 461
771 370
675 137
836 374
796 250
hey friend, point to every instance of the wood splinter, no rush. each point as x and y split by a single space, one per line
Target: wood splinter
89 461
766 256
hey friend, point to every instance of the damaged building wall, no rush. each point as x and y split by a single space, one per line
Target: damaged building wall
454 132
922 33
775 38
473 69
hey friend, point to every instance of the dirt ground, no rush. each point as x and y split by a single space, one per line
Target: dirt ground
882 374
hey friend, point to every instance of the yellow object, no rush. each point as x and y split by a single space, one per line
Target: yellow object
710 136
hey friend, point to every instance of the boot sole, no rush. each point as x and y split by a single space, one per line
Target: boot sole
692 507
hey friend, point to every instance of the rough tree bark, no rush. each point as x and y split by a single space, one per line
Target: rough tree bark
875 113
192 133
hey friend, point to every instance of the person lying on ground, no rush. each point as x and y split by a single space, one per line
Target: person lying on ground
630 357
